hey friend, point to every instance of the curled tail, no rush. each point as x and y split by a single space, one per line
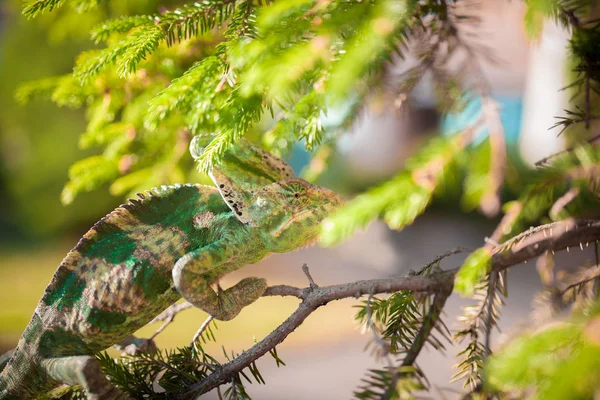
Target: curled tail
21 375
5 358
20 378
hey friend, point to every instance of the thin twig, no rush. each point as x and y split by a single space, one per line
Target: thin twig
174 309
567 150
563 201
551 233
588 89
456 250
163 326
490 201
501 229
597 283
201 330
168 316
310 278
580 283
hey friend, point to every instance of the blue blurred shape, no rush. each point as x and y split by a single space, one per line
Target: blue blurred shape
511 110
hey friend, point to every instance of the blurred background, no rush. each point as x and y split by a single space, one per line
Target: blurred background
326 356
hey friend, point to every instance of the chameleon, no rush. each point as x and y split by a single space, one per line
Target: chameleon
171 242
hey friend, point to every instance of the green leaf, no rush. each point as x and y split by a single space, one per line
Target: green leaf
120 25
578 378
474 269
367 46
194 89
536 11
401 199
127 183
63 90
533 358
194 19
86 175
105 135
39 6
477 177
242 112
126 54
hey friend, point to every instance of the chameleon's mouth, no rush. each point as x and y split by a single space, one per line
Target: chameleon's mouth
291 221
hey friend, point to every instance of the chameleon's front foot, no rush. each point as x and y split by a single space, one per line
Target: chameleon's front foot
227 304
190 279
232 300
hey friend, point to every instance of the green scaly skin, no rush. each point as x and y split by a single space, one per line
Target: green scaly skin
170 243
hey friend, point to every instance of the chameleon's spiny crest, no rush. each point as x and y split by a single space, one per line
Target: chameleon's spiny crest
172 241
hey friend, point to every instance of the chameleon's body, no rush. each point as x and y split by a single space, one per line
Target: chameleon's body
142 257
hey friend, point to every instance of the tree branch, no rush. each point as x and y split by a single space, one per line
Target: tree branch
568 149
528 245
311 300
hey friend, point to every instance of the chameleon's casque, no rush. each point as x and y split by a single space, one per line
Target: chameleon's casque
171 242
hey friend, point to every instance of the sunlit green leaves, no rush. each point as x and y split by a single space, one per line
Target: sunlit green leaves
473 270
63 90
125 54
370 41
561 361
301 52
399 315
477 178
401 199
243 112
38 6
537 11
188 93
120 25
392 384
532 357
194 19
88 174
146 33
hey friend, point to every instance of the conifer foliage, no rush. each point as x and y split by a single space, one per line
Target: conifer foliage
273 70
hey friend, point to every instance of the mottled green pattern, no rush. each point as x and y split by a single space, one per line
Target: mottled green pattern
142 257
67 291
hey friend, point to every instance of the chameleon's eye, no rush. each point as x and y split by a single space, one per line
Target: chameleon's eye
296 194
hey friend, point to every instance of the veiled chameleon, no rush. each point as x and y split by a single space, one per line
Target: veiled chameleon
173 241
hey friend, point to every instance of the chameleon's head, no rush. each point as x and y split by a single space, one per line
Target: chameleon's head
290 212
262 191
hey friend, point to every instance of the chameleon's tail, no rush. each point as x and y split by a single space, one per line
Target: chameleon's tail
9 376
20 378
5 358
21 375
